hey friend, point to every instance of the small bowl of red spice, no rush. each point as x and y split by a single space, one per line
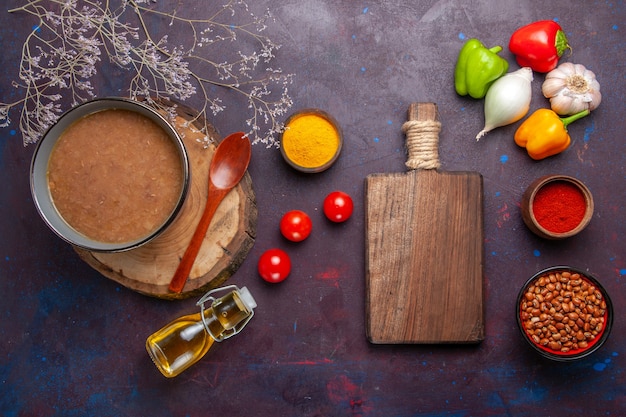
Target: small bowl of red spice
564 313
557 206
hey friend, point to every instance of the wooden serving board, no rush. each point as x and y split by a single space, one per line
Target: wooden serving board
424 253
149 268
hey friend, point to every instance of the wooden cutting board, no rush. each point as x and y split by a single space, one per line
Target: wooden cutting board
150 268
424 246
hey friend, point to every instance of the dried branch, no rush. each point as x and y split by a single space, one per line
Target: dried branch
61 56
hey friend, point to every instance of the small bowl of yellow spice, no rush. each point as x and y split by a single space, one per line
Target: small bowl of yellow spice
311 141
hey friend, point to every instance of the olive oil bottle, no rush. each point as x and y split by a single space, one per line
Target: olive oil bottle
184 341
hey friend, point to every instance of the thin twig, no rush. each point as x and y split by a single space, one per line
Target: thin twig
64 50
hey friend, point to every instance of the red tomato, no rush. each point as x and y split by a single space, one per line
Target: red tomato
274 265
296 225
338 206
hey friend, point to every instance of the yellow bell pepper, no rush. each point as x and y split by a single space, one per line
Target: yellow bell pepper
544 133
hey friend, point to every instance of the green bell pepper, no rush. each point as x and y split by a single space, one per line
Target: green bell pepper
477 68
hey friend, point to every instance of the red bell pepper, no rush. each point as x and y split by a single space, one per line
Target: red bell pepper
539 45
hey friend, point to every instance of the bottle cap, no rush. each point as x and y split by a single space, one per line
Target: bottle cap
247 298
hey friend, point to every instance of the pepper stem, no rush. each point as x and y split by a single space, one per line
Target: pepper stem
560 43
574 117
496 49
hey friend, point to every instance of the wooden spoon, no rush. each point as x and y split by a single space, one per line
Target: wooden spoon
228 166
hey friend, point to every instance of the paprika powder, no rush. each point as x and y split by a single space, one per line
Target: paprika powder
559 206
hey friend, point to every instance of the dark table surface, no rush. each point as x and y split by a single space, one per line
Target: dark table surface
72 341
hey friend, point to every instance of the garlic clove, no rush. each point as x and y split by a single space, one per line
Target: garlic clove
552 86
561 72
568 67
577 68
565 104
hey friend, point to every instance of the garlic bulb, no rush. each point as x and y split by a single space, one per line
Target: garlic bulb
571 89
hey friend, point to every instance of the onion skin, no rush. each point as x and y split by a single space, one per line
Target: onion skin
507 100
571 89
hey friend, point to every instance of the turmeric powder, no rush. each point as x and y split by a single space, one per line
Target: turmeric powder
310 140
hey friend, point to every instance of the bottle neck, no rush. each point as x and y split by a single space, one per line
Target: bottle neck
225 314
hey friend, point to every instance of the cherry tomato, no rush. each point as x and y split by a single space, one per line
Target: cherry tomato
296 225
338 206
274 265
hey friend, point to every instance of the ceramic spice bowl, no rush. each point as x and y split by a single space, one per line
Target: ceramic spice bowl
557 206
312 141
564 313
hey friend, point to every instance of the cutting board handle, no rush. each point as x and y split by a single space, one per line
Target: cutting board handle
422 136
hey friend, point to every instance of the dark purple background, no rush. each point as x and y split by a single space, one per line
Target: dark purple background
72 341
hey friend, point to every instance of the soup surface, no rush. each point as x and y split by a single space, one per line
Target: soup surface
115 176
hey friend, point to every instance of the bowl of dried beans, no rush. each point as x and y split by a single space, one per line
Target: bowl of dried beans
564 313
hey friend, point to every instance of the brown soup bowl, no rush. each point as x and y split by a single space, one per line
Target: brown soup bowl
42 184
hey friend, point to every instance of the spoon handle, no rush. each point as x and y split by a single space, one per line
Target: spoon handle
186 263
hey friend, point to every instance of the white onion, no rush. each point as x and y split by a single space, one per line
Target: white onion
507 100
